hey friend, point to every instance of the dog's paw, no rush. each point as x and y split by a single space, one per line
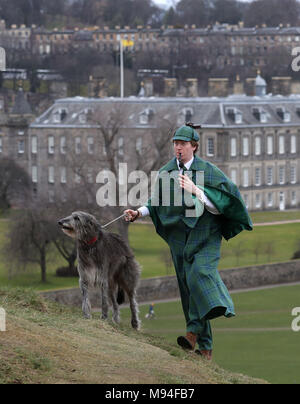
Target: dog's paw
136 324
116 320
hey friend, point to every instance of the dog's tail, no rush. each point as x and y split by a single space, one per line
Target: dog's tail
120 296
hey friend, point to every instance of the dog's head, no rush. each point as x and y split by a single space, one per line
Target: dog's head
81 226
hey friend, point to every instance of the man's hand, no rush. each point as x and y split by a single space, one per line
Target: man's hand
131 215
186 183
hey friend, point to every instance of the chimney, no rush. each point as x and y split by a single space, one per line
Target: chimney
170 87
218 87
148 85
238 86
191 88
281 85
295 87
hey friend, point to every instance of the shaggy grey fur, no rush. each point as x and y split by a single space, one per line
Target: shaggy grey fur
106 261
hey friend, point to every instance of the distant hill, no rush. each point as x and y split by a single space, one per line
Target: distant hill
48 343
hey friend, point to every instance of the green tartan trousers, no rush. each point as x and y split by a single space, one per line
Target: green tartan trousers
196 253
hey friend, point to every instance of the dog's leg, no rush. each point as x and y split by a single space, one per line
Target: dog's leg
104 297
135 322
86 305
113 298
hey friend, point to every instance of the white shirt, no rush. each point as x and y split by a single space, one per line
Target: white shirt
144 211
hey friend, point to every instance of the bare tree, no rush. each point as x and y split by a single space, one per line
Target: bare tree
114 125
29 240
14 183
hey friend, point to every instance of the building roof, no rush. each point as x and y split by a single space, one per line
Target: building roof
211 112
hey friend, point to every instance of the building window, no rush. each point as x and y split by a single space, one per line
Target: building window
257 146
269 175
233 147
138 145
21 146
34 145
270 201
246 200
63 175
34 174
90 176
281 145
270 145
51 175
293 174
257 176
281 175
77 145
245 146
257 200
51 195
293 144
63 145
294 198
246 177
121 146
90 145
50 144
210 147
144 119
233 175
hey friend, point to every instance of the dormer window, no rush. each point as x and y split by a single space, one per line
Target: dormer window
235 115
260 115
82 118
59 115
146 116
284 114
185 116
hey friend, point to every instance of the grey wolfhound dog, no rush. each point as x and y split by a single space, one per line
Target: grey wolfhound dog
105 260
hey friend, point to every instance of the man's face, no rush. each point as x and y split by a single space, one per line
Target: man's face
185 148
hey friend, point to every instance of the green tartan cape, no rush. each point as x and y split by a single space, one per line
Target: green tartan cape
195 242
222 192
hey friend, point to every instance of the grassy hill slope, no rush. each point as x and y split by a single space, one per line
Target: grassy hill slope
49 343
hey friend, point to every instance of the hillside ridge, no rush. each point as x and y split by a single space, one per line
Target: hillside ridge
50 343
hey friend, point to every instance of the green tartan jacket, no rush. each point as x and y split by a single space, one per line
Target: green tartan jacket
222 192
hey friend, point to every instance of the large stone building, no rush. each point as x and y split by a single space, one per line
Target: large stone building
254 140
223 44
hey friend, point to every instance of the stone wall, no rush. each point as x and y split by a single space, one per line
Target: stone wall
165 287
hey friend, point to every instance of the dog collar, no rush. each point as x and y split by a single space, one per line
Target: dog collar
92 241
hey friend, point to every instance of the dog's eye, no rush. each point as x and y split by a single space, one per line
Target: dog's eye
76 218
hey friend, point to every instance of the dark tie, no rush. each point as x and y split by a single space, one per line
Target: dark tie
184 169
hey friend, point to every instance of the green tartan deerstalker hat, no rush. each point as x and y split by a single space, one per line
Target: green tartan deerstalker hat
186 133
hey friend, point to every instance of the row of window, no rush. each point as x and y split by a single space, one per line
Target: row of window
270 145
270 176
78 145
62 174
269 200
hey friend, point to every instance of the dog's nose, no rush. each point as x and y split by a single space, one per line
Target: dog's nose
60 222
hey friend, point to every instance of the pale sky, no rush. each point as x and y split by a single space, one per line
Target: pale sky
168 3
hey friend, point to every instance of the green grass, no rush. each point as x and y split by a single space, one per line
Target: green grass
258 342
47 343
151 251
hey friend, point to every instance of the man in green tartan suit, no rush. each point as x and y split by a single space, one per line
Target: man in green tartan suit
194 235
